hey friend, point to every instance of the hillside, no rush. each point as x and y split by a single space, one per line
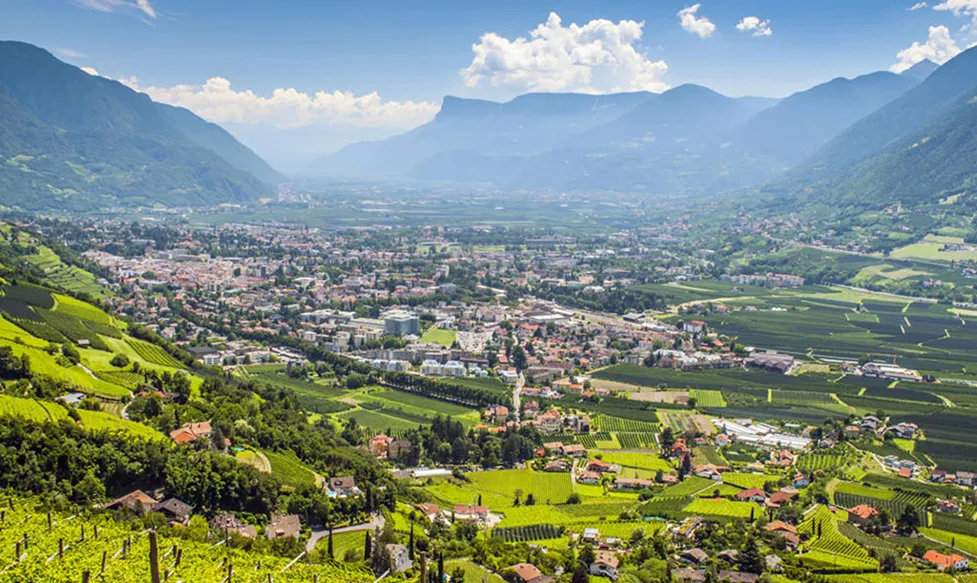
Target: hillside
805 121
938 160
73 141
904 115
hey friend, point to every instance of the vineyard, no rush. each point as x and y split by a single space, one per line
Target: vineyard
707 398
667 506
801 398
637 440
610 424
821 461
54 548
747 481
878 546
848 495
152 353
724 508
637 460
828 548
546 488
520 534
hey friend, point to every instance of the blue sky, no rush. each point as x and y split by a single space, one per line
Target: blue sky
411 53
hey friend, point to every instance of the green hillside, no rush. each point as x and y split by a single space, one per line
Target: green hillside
73 141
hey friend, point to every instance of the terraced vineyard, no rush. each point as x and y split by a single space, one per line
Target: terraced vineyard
821 461
154 354
89 542
830 550
746 481
848 495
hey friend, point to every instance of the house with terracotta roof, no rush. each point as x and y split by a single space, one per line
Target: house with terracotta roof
943 562
752 494
191 432
137 501
861 514
605 565
526 573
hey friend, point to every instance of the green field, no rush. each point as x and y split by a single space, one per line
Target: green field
546 488
930 249
438 336
723 507
291 471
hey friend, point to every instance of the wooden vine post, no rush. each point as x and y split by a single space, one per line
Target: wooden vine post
153 558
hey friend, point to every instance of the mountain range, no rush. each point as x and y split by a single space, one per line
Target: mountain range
691 140
74 141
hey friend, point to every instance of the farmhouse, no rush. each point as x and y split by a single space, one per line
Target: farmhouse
282 526
191 432
136 500
527 573
947 562
588 477
231 524
753 495
175 511
861 514
605 565
632 483
468 513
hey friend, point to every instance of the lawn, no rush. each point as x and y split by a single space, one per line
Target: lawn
437 335
474 573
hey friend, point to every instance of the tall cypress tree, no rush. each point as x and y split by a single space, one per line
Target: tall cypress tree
331 556
367 547
441 567
410 543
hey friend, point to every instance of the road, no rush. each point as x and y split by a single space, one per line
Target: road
376 521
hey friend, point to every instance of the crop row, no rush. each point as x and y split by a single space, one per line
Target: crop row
528 533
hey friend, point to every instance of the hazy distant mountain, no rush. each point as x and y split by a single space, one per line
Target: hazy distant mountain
800 124
900 117
70 140
527 125
921 70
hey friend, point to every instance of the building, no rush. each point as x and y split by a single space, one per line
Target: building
343 487
947 562
890 371
399 558
782 363
136 501
526 573
861 514
282 526
232 525
191 432
605 565
175 511
401 323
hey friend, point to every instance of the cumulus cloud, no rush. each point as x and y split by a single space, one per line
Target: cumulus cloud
958 7
142 8
216 101
91 71
699 25
917 6
755 25
600 56
939 48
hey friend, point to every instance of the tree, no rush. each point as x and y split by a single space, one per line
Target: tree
909 521
367 547
410 543
750 559
667 439
119 361
887 563
580 574
458 575
329 549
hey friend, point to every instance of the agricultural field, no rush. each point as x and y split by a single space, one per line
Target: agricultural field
848 495
638 460
707 398
931 249
609 424
292 472
200 562
709 454
830 550
724 508
747 481
378 421
690 487
892 578
822 461
965 543
69 277
547 488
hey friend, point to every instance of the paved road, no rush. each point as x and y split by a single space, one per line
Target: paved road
376 521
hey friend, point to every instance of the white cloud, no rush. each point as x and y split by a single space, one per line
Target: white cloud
699 25
755 25
939 48
917 6
137 7
598 57
90 71
216 101
959 7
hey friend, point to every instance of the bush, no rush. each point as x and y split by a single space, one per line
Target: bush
119 361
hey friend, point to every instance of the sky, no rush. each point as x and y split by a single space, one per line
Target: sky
362 69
